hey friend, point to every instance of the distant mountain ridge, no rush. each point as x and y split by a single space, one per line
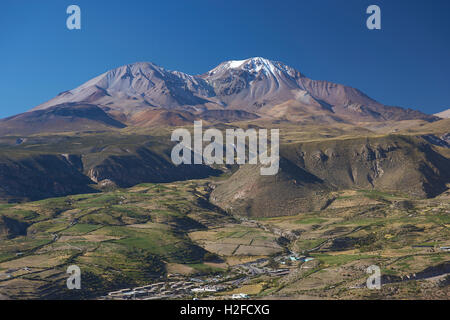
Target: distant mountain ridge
63 117
255 85
444 114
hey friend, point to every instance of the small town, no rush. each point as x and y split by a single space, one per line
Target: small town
180 287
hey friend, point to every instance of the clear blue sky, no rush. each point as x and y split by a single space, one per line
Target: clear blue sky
407 63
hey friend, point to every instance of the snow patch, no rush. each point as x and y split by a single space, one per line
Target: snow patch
235 64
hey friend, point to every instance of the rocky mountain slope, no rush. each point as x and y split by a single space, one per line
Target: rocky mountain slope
310 173
41 176
101 123
254 85
444 114
51 166
63 117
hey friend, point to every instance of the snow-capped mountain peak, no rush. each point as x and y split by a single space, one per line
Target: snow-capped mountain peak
255 84
254 65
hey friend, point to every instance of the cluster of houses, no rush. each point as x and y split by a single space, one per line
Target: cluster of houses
180 287
239 296
158 290
171 289
293 258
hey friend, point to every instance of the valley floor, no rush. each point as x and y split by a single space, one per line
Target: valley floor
167 241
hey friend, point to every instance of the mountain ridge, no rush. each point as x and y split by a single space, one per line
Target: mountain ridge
70 116
254 85
443 114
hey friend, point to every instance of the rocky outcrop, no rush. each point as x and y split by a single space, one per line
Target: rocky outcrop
309 171
289 192
391 163
144 165
39 176
36 177
11 228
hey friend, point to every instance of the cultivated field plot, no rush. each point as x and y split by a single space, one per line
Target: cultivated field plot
152 232
119 238
232 240
406 238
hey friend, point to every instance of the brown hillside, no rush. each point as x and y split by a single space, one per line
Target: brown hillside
309 171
